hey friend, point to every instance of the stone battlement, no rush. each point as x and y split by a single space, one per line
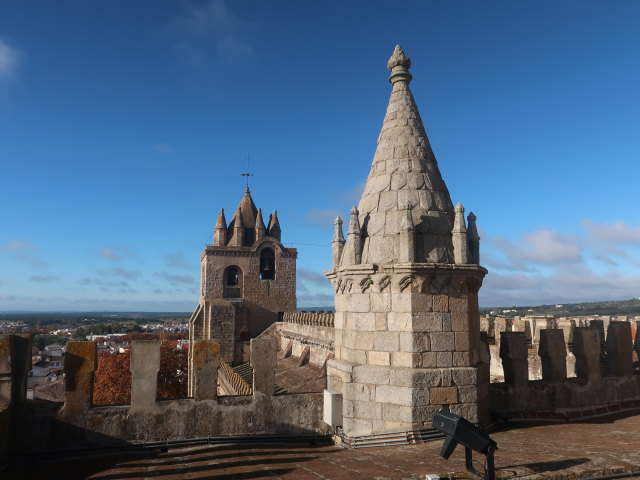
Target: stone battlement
605 373
532 326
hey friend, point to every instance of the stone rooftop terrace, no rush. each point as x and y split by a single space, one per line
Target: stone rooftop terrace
602 446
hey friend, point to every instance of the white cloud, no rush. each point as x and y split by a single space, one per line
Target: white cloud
109 253
43 278
323 217
541 246
546 266
173 278
131 275
313 289
9 61
316 300
209 34
178 260
313 277
569 283
124 273
352 197
617 232
88 304
116 253
23 251
233 50
164 148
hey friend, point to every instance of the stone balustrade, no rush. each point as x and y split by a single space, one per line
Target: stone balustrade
308 334
320 319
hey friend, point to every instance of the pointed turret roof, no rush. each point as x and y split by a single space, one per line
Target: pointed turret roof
237 221
273 220
259 222
248 209
221 222
404 171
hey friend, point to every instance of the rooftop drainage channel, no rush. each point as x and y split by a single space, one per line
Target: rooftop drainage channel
62 454
395 438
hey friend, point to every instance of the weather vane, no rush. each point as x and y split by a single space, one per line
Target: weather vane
247 173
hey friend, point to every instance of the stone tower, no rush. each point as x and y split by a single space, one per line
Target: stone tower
247 279
406 281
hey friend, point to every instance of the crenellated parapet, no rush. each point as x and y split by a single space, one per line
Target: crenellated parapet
600 382
564 330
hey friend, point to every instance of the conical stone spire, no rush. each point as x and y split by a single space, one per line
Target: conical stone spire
353 252
220 232
248 210
473 238
337 244
404 170
237 229
260 228
459 235
274 226
398 281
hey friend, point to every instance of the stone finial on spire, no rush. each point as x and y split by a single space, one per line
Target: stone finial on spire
337 244
260 228
459 234
458 224
274 226
399 65
354 222
473 239
353 248
220 231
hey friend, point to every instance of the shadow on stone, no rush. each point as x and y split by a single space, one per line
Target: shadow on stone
547 467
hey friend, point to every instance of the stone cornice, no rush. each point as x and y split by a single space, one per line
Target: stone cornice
408 268
234 251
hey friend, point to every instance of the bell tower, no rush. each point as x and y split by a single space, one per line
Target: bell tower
247 279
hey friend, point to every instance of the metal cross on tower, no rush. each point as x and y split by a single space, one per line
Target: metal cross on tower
247 174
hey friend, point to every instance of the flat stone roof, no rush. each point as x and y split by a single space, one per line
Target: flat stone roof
601 446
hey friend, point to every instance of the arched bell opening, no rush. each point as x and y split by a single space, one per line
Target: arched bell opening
267 264
232 282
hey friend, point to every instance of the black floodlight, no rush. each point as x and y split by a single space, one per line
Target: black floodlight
460 430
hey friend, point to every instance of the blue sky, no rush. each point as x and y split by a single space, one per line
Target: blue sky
124 127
